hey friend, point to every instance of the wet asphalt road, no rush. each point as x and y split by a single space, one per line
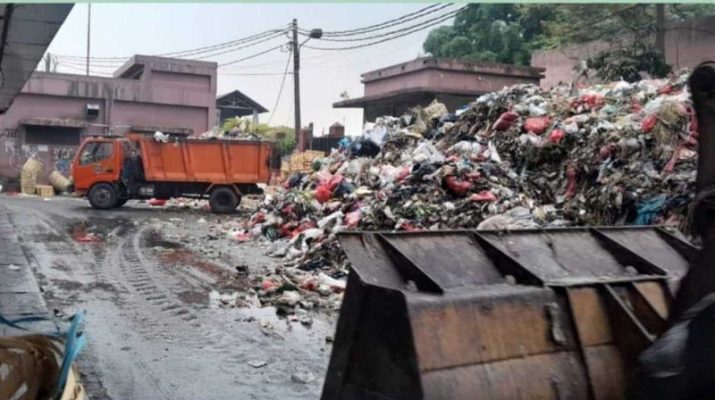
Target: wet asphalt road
154 332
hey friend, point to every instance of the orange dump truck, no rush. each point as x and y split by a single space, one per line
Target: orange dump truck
112 170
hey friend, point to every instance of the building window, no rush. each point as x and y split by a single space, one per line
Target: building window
52 135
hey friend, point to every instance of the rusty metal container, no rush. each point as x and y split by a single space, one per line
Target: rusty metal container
547 314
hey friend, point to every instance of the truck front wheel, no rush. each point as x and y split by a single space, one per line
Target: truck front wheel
223 200
102 196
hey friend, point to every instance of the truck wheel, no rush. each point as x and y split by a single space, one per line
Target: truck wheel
223 200
102 196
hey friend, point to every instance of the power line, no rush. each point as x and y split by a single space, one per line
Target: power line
379 26
383 34
231 50
280 90
252 74
251 56
83 70
198 50
420 28
239 48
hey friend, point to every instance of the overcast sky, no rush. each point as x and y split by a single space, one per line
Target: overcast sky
127 29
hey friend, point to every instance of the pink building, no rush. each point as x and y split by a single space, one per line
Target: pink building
395 89
54 111
687 44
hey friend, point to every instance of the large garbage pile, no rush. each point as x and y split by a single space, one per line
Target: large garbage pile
519 158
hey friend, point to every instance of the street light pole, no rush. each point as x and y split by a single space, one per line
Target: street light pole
314 34
296 80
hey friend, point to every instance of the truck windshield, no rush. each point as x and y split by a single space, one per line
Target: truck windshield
95 152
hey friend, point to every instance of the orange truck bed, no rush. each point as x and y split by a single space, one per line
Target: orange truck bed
215 161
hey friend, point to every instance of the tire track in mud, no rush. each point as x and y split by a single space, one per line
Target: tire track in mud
152 332
82 263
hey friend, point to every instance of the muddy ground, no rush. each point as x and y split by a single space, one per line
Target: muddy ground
160 288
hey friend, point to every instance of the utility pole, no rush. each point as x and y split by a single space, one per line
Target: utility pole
89 19
660 28
296 79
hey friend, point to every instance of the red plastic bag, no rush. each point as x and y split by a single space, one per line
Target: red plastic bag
286 230
304 226
457 186
556 135
537 125
334 182
323 193
570 181
673 160
593 100
484 195
258 218
649 123
404 173
606 151
408 227
505 121
269 285
157 202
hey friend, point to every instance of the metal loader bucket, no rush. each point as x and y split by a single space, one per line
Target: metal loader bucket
542 314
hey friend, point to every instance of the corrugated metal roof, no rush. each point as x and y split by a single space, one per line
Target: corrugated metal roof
25 32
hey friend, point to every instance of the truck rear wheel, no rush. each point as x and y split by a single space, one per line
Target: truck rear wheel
102 196
223 200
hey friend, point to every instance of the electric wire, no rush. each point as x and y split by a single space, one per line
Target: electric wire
251 56
280 90
379 26
383 34
181 53
420 28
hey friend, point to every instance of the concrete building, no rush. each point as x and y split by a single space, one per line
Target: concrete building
395 89
687 44
54 111
237 104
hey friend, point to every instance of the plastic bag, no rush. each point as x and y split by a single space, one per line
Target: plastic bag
537 125
505 121
426 151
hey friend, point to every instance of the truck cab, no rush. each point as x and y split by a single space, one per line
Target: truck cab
99 160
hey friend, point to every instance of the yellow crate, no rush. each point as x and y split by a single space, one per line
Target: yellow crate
45 190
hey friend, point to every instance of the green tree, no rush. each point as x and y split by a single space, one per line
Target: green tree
482 32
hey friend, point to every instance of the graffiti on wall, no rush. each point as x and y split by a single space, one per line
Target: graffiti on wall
12 133
62 157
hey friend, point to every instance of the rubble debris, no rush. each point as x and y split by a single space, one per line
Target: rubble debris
519 158
303 376
257 363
